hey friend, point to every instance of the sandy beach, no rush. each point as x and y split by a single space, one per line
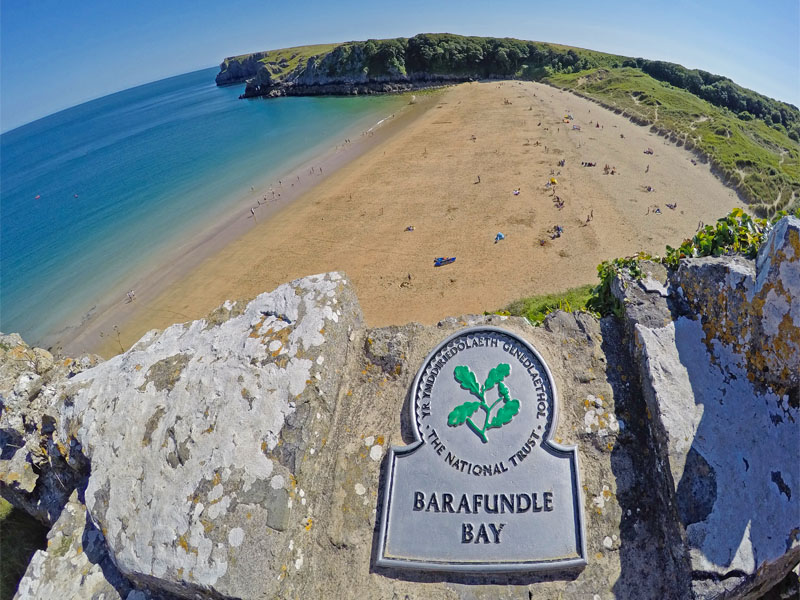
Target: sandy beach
421 169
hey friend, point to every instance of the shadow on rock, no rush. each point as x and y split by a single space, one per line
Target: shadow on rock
651 562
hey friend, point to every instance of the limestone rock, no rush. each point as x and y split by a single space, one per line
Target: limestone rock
195 433
720 385
34 473
242 456
76 563
753 309
236 70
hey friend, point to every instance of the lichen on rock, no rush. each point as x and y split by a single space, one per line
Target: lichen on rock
242 455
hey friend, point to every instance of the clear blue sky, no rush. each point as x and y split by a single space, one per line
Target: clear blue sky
55 53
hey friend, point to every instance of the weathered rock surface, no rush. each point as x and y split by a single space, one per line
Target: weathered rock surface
34 475
339 72
76 563
191 481
718 357
235 70
241 456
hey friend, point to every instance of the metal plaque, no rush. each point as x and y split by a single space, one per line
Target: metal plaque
483 487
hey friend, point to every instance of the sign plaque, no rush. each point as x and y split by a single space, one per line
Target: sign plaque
483 488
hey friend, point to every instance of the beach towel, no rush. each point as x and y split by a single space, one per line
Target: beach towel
442 260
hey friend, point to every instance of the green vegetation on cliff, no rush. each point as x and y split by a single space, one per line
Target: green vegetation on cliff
736 233
536 308
279 63
282 62
761 161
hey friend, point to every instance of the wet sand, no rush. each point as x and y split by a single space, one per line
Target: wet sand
421 170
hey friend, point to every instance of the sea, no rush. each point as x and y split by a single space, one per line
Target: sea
92 193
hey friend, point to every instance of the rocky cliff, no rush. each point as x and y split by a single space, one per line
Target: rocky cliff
343 71
243 455
237 69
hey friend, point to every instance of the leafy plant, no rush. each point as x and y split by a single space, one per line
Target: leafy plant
463 412
736 233
603 300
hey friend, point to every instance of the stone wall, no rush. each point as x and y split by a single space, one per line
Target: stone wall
243 455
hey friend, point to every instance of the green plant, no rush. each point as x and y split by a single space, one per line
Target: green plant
463 412
736 233
536 308
602 300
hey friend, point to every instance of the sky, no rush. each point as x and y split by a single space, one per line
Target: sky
56 54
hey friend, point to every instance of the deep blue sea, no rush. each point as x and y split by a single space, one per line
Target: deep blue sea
89 194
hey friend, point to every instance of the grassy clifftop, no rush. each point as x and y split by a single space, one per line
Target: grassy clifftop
283 61
278 63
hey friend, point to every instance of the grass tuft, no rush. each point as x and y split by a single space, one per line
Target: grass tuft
536 308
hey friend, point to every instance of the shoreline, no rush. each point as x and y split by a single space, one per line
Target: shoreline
97 328
512 134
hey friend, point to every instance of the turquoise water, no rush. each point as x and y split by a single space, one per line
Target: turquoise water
120 178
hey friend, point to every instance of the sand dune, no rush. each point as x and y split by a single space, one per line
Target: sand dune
424 176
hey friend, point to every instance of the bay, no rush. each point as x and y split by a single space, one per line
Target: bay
91 193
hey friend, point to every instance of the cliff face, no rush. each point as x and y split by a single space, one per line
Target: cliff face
241 456
343 71
239 69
